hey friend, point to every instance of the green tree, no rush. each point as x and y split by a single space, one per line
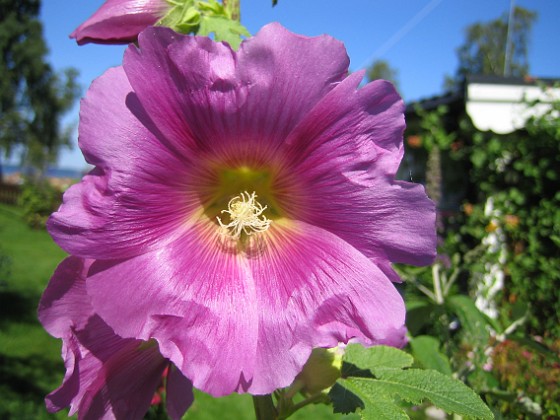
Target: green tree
381 69
486 45
33 97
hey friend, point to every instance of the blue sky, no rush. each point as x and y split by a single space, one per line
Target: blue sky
417 37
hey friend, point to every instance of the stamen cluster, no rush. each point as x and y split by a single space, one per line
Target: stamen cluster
246 216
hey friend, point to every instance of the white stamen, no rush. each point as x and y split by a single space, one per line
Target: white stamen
246 216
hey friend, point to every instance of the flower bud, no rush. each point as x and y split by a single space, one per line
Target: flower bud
321 370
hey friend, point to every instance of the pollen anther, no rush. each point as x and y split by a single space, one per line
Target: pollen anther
246 216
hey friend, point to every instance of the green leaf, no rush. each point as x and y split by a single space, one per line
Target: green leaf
416 385
344 401
357 358
374 405
426 351
472 320
445 392
375 379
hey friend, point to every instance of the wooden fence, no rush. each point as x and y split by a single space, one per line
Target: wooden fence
9 193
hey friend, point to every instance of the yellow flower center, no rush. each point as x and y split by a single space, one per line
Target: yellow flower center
245 214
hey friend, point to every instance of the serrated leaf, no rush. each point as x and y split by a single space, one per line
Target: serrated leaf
416 385
376 405
224 29
426 351
359 358
343 400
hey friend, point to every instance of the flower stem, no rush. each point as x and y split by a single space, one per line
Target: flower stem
437 284
264 407
310 400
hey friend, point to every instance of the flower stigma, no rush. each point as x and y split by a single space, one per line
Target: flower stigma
246 216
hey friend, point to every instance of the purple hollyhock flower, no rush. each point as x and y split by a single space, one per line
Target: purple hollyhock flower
107 376
243 209
120 21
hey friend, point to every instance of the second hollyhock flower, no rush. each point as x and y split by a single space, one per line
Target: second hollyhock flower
107 376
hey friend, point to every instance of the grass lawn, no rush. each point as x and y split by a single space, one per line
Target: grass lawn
30 363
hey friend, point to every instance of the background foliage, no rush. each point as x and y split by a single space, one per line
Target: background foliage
504 188
37 201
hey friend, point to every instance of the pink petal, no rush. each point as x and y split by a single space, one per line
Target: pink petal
202 93
264 312
65 304
284 84
189 296
106 376
403 224
119 21
358 132
345 155
332 287
183 80
71 388
138 196
179 394
117 377
387 222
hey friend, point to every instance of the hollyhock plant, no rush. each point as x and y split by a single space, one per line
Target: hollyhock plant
243 208
120 21
106 376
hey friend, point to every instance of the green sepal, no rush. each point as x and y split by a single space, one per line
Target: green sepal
204 18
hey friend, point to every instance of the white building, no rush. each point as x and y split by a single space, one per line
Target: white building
501 104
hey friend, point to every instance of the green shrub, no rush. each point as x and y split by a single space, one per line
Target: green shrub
518 174
519 171
38 200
